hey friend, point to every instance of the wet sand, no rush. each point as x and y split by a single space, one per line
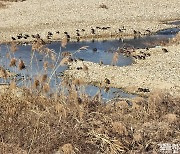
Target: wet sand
32 17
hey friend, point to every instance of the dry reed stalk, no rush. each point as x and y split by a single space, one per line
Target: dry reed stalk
3 73
65 61
38 45
13 62
36 84
8 55
13 85
46 87
78 82
45 65
64 42
13 47
50 53
115 58
21 65
44 78
65 54
60 109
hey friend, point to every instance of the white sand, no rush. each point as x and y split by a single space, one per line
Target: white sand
41 16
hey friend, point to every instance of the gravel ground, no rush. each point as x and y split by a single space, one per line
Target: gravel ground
160 71
32 17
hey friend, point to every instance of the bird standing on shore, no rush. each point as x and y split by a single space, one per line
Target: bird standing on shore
92 31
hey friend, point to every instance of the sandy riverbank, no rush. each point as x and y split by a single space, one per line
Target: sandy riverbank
32 17
160 71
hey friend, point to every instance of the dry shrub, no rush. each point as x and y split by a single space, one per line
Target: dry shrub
137 137
11 149
170 118
67 149
159 103
119 127
74 124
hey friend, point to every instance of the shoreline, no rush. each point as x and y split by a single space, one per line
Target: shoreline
154 73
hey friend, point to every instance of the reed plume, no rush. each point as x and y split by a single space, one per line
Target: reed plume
21 65
13 47
3 73
115 58
64 42
36 84
13 62
44 78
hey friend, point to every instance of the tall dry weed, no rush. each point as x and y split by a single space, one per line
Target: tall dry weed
115 58
13 47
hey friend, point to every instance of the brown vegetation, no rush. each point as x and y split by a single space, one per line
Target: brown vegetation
38 120
73 124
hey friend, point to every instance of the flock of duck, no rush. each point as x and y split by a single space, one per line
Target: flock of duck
78 32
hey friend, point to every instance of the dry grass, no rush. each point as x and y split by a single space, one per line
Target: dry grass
73 124
40 120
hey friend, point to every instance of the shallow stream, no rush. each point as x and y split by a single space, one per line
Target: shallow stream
96 51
